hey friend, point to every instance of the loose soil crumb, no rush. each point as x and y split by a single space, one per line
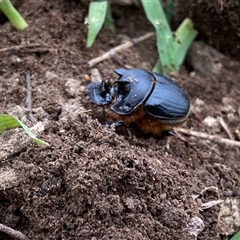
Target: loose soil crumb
217 22
92 183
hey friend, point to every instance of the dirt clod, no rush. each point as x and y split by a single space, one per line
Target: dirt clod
91 182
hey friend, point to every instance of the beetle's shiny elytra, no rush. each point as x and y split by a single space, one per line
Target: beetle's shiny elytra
150 100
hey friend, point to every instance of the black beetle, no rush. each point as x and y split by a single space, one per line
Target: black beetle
150 100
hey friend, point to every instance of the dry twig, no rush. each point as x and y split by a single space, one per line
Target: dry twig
119 48
19 47
225 127
211 204
202 135
29 97
211 188
13 233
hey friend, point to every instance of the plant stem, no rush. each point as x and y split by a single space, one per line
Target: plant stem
12 14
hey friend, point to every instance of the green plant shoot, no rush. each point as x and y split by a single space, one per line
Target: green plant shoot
172 49
165 42
96 18
108 23
8 122
184 37
168 9
12 14
236 236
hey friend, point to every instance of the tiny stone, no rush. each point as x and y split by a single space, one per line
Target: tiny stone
15 59
72 87
196 226
231 117
210 122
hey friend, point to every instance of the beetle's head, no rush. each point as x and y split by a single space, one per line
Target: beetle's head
131 89
100 93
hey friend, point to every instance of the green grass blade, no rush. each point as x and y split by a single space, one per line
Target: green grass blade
168 9
165 41
158 67
12 14
184 37
108 23
96 17
236 236
8 122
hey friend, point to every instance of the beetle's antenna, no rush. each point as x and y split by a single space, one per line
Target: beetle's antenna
104 113
104 84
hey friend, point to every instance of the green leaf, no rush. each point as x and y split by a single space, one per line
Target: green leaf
168 9
184 37
12 14
165 41
108 23
8 122
96 17
236 236
158 67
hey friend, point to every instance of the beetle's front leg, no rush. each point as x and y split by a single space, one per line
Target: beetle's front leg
117 123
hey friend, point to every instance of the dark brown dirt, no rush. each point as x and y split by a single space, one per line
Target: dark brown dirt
217 21
92 183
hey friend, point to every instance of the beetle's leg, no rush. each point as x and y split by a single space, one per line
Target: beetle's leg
117 60
187 144
176 135
118 123
130 135
115 124
104 114
170 133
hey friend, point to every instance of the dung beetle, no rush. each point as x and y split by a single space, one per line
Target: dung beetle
149 100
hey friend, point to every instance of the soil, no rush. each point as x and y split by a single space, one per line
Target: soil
217 21
91 182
